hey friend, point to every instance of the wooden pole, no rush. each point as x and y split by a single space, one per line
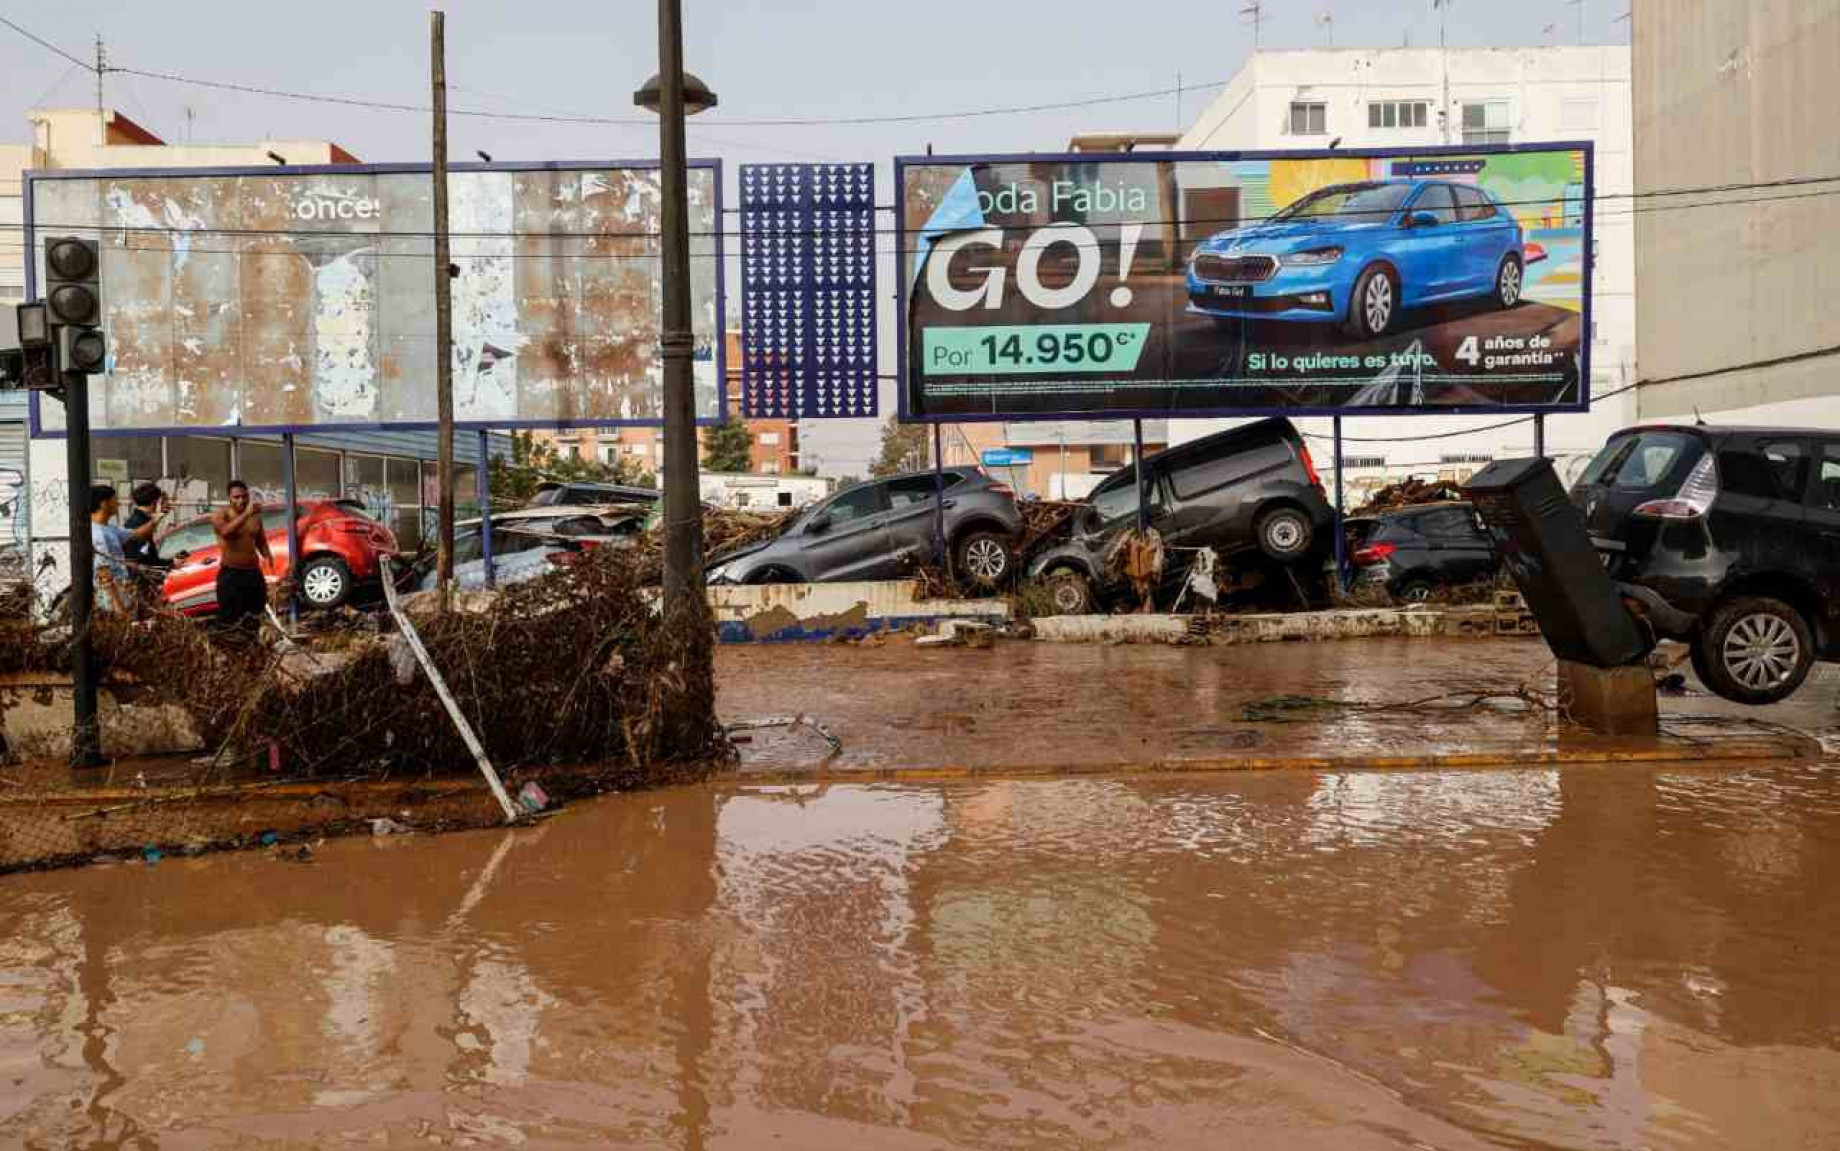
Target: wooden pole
443 315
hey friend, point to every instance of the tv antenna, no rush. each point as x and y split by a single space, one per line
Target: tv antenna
1326 21
1256 10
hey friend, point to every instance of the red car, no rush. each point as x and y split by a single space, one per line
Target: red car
343 549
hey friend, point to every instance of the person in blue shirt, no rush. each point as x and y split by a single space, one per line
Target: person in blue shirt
114 581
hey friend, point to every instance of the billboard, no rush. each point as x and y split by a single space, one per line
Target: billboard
1360 281
302 299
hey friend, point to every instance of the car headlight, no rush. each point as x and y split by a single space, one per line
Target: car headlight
1314 256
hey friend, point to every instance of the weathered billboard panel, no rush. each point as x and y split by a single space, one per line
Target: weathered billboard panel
287 299
1369 281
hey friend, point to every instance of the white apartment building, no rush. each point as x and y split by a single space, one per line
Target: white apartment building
1394 97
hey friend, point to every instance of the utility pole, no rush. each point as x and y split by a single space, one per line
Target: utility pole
683 531
443 313
102 66
1443 10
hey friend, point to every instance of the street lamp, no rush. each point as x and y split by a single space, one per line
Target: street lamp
673 95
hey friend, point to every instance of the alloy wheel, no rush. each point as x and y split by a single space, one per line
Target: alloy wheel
1761 651
322 585
986 560
1509 286
1377 303
1284 534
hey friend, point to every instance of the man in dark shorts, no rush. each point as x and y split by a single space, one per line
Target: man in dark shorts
242 593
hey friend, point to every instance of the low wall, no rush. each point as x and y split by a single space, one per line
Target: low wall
1464 622
35 710
769 613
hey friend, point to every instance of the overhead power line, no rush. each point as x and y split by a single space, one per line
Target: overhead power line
86 65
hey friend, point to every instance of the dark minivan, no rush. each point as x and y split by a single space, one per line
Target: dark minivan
1729 538
1250 488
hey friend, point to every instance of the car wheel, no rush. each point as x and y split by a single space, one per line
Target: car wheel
325 582
1413 591
1284 534
1071 592
1373 305
983 558
1754 649
774 575
1508 282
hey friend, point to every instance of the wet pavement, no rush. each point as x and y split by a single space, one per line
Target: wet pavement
1089 706
1589 957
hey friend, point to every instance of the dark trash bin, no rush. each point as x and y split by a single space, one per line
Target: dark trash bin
1542 542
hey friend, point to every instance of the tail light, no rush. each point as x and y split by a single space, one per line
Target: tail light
1309 465
562 558
350 527
1373 554
1002 489
1693 500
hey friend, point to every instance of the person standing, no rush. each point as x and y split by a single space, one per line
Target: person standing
149 502
109 541
242 592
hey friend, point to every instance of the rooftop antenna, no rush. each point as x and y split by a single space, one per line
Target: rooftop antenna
1442 7
1326 22
1579 4
191 115
1256 10
102 66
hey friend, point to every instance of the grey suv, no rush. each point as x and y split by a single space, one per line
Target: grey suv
1250 488
882 528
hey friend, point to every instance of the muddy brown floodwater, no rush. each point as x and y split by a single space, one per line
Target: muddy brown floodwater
1592 957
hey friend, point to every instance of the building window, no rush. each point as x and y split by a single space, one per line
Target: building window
1465 458
1486 122
12 292
1309 119
1363 461
769 439
608 452
638 449
1105 457
1397 114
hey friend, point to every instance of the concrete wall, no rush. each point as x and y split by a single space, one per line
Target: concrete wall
1551 93
1738 93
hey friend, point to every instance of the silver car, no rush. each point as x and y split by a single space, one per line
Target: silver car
529 542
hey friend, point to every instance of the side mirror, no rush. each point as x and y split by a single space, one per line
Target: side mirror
819 525
1422 220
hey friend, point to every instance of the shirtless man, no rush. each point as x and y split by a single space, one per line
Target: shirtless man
241 590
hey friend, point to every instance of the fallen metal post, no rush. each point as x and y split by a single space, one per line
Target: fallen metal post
447 700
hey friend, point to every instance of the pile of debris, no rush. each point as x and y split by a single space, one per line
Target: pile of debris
1408 492
724 530
1044 523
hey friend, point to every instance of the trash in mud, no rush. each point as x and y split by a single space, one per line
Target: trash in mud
532 798
387 826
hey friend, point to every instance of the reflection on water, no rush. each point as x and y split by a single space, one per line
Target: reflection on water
1585 958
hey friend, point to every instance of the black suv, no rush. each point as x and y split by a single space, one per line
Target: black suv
883 528
1412 551
1248 489
1729 537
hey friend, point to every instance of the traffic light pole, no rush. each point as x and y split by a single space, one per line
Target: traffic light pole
85 736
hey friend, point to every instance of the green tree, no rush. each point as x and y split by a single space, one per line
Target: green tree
728 447
904 449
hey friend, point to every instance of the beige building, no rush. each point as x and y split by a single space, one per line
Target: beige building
1739 96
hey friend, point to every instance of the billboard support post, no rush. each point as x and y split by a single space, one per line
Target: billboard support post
85 738
1341 538
290 494
939 496
483 484
1137 464
443 315
683 531
1539 436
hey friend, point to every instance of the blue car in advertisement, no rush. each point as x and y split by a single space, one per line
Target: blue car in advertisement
1360 254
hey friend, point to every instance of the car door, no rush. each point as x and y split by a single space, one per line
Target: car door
1213 498
1483 238
847 539
1760 515
911 516
1460 552
1426 252
1824 519
191 583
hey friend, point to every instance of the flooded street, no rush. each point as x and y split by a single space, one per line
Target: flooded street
1593 957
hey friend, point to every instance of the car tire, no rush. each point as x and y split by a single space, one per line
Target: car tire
325 582
1373 306
1754 649
983 558
1284 534
1508 282
1413 591
1071 592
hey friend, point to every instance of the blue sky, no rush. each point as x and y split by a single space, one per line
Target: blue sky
819 59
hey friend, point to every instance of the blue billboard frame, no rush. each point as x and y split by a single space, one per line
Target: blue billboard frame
37 430
905 413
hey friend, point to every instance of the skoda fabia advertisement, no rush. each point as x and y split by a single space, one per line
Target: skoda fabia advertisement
1449 279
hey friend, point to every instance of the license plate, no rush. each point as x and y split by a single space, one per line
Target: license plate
1233 291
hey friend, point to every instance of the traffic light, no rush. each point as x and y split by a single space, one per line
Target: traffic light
73 296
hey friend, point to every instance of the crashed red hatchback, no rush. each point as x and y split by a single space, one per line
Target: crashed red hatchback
343 551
